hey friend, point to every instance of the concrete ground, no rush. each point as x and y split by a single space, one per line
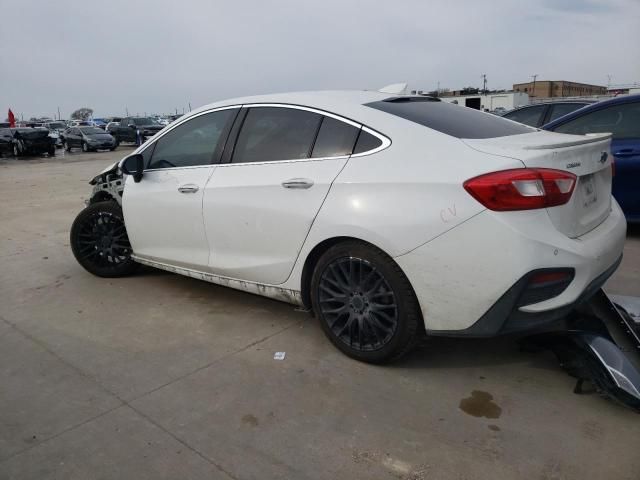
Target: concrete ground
159 376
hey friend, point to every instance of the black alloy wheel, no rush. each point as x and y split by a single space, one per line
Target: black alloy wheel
365 303
99 240
358 303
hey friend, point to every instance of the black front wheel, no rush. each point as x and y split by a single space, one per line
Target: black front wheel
99 241
365 303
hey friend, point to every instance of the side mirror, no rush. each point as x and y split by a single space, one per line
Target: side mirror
133 165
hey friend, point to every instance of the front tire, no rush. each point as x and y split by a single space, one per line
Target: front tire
365 303
16 150
99 241
85 147
66 146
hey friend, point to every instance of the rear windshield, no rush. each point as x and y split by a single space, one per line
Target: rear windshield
454 120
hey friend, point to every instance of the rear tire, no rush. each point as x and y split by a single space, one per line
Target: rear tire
365 303
52 151
99 241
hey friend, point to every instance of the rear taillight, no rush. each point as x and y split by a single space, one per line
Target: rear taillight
522 188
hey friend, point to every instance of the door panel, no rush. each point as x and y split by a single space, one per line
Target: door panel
256 225
163 214
627 179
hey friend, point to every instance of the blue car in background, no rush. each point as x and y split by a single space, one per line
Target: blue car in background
621 117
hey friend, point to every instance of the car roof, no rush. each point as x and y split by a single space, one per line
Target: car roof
592 107
347 103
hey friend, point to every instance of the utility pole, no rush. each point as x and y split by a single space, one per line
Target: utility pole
484 83
127 110
189 106
59 117
608 81
533 90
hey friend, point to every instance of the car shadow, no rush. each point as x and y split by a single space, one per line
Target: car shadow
449 352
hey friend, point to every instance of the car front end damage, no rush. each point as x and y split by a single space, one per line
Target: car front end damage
107 185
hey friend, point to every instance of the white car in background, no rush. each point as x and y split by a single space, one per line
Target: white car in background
388 216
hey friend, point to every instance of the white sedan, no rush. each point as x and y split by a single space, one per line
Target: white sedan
387 216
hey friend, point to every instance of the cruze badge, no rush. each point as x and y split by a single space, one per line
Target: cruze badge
573 165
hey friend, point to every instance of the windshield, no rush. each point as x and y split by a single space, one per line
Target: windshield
91 130
57 125
144 121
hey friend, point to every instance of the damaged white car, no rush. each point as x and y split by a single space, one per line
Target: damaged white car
388 216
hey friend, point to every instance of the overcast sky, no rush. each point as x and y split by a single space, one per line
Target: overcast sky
159 55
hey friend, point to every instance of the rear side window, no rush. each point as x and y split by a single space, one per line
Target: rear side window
454 120
623 121
335 138
531 116
274 133
366 142
562 109
192 143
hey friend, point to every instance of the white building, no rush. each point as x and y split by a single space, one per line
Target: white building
491 101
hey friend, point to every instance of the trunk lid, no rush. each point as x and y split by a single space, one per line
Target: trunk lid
588 157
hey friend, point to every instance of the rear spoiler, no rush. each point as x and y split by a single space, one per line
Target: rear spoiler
580 140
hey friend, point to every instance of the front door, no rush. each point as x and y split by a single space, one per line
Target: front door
163 212
259 207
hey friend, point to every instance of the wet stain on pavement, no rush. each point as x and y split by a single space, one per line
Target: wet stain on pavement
495 428
480 404
249 419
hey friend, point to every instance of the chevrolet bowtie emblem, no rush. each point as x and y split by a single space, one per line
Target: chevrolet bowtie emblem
603 157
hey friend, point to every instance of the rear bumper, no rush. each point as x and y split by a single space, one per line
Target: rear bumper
467 281
505 317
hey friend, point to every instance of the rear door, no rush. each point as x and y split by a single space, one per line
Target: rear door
163 212
259 207
623 121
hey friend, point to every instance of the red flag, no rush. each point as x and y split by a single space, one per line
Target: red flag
12 119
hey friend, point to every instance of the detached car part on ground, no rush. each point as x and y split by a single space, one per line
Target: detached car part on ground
387 216
26 141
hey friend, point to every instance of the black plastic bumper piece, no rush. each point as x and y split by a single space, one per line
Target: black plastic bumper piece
504 316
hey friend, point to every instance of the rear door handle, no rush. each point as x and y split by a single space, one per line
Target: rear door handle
627 152
189 188
300 183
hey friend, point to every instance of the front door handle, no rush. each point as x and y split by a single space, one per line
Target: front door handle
300 183
189 188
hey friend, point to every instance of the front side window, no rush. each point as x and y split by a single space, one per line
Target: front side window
275 133
623 121
335 138
531 116
193 142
